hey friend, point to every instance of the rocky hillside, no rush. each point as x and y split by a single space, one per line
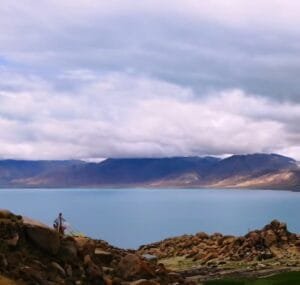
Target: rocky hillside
274 240
203 257
255 170
32 253
14 171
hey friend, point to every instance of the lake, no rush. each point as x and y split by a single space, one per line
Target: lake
132 217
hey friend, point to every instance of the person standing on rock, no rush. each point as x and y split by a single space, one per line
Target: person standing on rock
59 224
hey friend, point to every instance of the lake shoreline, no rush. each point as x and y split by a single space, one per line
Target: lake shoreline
128 187
154 214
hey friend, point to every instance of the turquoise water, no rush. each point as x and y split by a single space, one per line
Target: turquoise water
132 217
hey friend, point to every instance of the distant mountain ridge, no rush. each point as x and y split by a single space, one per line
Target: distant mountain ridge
241 171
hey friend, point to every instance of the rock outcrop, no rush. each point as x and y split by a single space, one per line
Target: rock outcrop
45 238
36 254
274 240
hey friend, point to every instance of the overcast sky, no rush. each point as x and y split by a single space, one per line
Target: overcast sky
90 79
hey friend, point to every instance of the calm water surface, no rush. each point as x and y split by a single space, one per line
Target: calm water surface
132 217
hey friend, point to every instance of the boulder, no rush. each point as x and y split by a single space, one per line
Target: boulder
253 238
133 266
202 235
13 241
103 256
9 229
175 277
68 250
276 225
5 214
227 240
85 245
108 281
32 275
43 237
56 267
209 256
93 272
270 238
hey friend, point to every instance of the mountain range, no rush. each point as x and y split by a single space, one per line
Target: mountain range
237 171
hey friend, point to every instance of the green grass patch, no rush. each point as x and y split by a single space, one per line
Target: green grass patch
179 263
289 278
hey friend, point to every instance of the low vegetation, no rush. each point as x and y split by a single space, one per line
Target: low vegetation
289 278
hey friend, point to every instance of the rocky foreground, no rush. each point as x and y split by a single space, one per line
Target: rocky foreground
270 250
32 253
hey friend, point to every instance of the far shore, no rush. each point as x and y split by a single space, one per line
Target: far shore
143 187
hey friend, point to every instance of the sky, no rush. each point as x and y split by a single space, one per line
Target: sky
90 79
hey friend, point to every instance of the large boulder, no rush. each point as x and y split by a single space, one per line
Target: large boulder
10 228
85 246
104 257
202 235
5 214
68 250
133 266
43 237
93 272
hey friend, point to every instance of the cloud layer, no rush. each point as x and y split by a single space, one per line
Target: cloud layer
120 115
91 79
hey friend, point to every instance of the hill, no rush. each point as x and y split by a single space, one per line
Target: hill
243 171
33 253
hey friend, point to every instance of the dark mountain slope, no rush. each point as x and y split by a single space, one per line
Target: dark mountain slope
253 170
13 170
250 165
131 171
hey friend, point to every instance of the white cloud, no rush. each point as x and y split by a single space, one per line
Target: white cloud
120 115
89 79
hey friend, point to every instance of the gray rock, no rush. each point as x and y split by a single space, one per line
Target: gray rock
58 268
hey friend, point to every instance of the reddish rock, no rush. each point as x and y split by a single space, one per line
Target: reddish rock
202 235
85 245
132 266
270 238
108 281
